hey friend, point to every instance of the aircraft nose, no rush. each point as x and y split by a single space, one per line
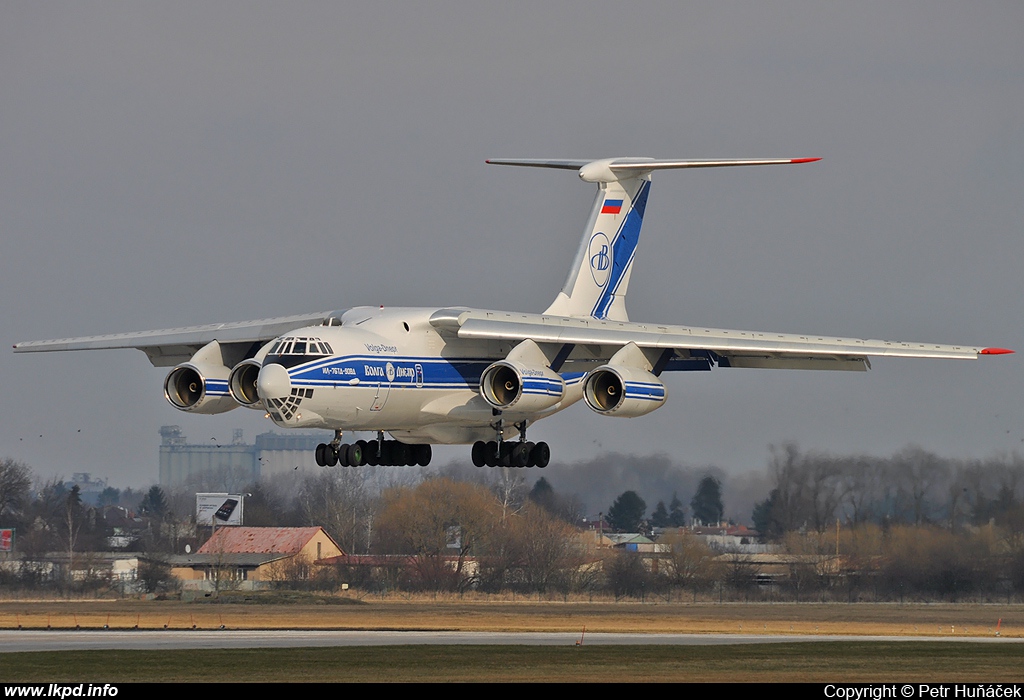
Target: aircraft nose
273 382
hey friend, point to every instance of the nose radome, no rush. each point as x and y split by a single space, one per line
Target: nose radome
273 382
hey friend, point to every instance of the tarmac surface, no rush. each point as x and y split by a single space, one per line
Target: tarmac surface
65 640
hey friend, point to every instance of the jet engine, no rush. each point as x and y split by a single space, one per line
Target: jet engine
626 392
242 383
243 377
201 384
199 388
508 385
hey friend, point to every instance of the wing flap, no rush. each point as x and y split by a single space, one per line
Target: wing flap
841 363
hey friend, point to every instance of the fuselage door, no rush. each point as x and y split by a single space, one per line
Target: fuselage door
384 389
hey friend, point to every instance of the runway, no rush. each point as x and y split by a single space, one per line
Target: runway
66 640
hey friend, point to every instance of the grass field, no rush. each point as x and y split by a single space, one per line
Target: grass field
829 662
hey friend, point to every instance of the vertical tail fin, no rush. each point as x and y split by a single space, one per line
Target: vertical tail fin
599 276
598 279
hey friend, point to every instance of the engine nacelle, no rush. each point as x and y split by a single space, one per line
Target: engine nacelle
201 384
242 383
626 392
508 385
243 377
199 388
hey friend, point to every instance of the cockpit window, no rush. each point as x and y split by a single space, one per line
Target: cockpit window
294 351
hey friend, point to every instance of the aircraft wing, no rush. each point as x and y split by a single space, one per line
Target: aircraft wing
171 346
726 348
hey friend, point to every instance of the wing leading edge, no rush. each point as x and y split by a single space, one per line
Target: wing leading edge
169 346
737 348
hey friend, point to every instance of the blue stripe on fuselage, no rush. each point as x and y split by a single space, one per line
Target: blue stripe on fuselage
436 373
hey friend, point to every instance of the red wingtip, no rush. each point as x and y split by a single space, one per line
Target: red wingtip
996 351
805 160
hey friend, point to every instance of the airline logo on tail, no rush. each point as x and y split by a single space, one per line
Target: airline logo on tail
600 259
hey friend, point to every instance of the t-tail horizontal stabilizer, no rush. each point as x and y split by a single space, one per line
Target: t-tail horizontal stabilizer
599 276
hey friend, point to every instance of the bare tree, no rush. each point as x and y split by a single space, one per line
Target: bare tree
437 521
509 487
807 492
340 502
71 518
918 473
689 563
551 551
15 486
858 487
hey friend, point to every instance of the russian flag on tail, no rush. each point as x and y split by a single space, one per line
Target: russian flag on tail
612 206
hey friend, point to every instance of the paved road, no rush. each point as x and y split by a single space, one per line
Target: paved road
41 640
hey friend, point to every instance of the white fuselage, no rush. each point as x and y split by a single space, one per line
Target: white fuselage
392 370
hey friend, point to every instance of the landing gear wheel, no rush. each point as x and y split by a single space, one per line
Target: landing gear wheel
507 449
423 454
330 456
491 452
530 462
399 454
520 455
343 454
541 454
355 453
479 453
321 458
371 453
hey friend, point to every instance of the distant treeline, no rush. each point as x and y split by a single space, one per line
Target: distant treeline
912 525
810 491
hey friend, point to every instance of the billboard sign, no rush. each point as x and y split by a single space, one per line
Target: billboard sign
222 508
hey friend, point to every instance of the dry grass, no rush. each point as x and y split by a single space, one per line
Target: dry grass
472 613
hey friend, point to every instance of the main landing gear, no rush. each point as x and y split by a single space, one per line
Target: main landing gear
379 452
499 453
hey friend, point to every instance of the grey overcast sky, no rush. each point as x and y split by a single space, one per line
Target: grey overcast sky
166 164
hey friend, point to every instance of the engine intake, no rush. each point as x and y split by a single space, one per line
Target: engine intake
626 392
199 389
242 383
510 385
201 384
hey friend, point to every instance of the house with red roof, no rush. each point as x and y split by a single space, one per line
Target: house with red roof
252 557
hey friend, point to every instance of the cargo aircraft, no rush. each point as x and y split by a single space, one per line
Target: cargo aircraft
460 375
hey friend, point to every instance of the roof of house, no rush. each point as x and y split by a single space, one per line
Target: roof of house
259 540
618 538
219 560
